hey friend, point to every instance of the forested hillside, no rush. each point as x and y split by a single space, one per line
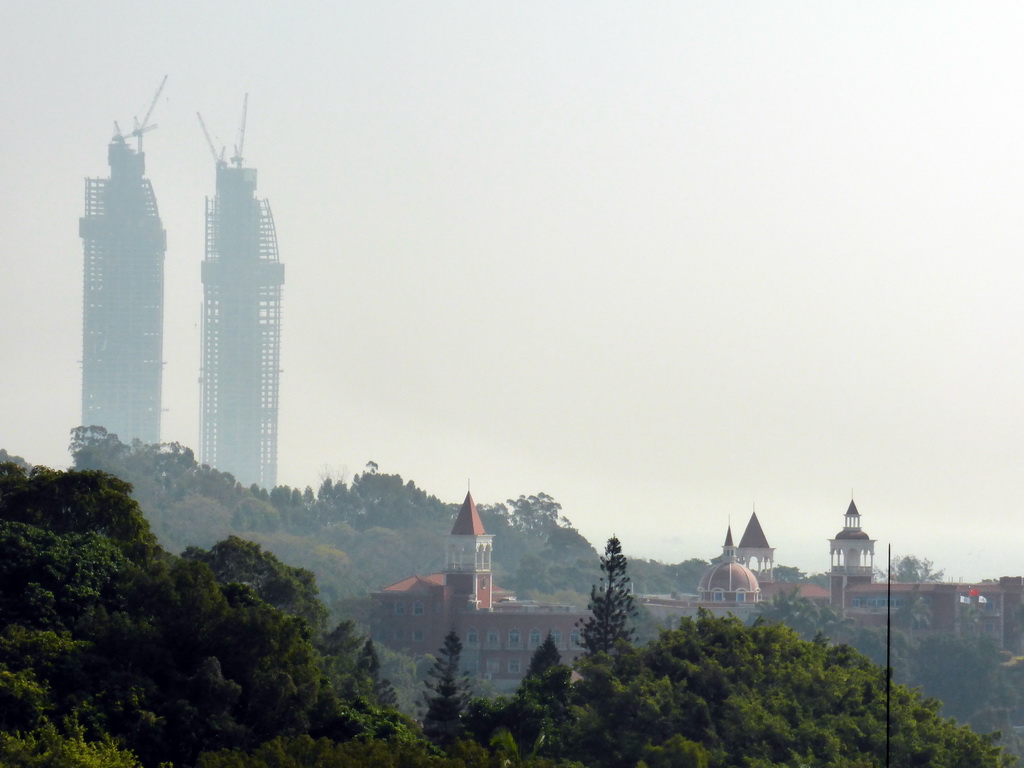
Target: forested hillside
356 536
114 652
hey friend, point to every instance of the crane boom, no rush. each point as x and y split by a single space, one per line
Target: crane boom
144 126
240 145
218 159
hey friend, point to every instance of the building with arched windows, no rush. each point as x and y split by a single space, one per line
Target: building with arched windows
499 633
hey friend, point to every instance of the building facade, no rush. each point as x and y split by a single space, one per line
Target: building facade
991 607
123 299
241 357
499 633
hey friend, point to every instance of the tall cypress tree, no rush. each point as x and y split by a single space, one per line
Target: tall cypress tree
611 604
446 694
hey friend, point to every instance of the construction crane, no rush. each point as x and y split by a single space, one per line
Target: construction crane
240 143
144 126
218 159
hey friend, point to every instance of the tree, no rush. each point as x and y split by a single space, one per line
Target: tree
447 693
383 691
544 658
909 569
611 604
292 590
716 692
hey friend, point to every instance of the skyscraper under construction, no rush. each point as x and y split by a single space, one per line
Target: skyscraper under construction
242 281
123 306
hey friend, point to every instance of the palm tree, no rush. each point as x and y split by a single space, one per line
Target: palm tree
915 613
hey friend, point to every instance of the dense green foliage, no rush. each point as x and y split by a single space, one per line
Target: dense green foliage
355 536
103 629
544 658
976 682
755 696
114 652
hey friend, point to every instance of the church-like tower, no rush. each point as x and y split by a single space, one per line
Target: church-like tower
754 551
853 557
729 581
467 571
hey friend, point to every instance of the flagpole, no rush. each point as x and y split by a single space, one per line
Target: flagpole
888 656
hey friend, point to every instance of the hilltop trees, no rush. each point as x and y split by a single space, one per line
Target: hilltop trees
611 604
911 569
115 652
102 627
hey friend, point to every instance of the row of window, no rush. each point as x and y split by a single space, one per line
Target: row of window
718 596
515 640
493 667
897 602
494 638
417 609
416 635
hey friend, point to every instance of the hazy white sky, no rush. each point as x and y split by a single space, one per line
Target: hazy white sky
664 261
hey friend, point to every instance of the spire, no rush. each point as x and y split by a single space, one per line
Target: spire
728 537
852 509
754 537
468 522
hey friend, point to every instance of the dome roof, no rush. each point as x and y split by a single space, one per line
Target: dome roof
848 534
729 576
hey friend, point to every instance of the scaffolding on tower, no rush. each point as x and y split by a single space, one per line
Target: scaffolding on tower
241 358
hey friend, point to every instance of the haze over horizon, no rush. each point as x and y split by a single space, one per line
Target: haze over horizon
666 263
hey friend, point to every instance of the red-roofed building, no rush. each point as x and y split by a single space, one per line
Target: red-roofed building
499 633
990 607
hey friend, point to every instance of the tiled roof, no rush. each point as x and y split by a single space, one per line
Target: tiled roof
754 537
468 522
416 583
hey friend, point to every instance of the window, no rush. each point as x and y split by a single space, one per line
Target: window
417 608
741 597
483 583
417 635
719 596
513 638
493 666
534 638
513 666
574 639
471 637
492 638
400 609
556 635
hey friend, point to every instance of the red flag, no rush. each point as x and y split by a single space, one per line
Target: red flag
974 593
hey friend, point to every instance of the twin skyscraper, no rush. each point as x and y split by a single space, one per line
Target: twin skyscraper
123 307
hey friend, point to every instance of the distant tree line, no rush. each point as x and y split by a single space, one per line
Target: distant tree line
115 652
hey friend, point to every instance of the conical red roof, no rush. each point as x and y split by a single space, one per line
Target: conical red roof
754 537
468 522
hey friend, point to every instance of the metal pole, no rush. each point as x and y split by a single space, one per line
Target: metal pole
888 657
